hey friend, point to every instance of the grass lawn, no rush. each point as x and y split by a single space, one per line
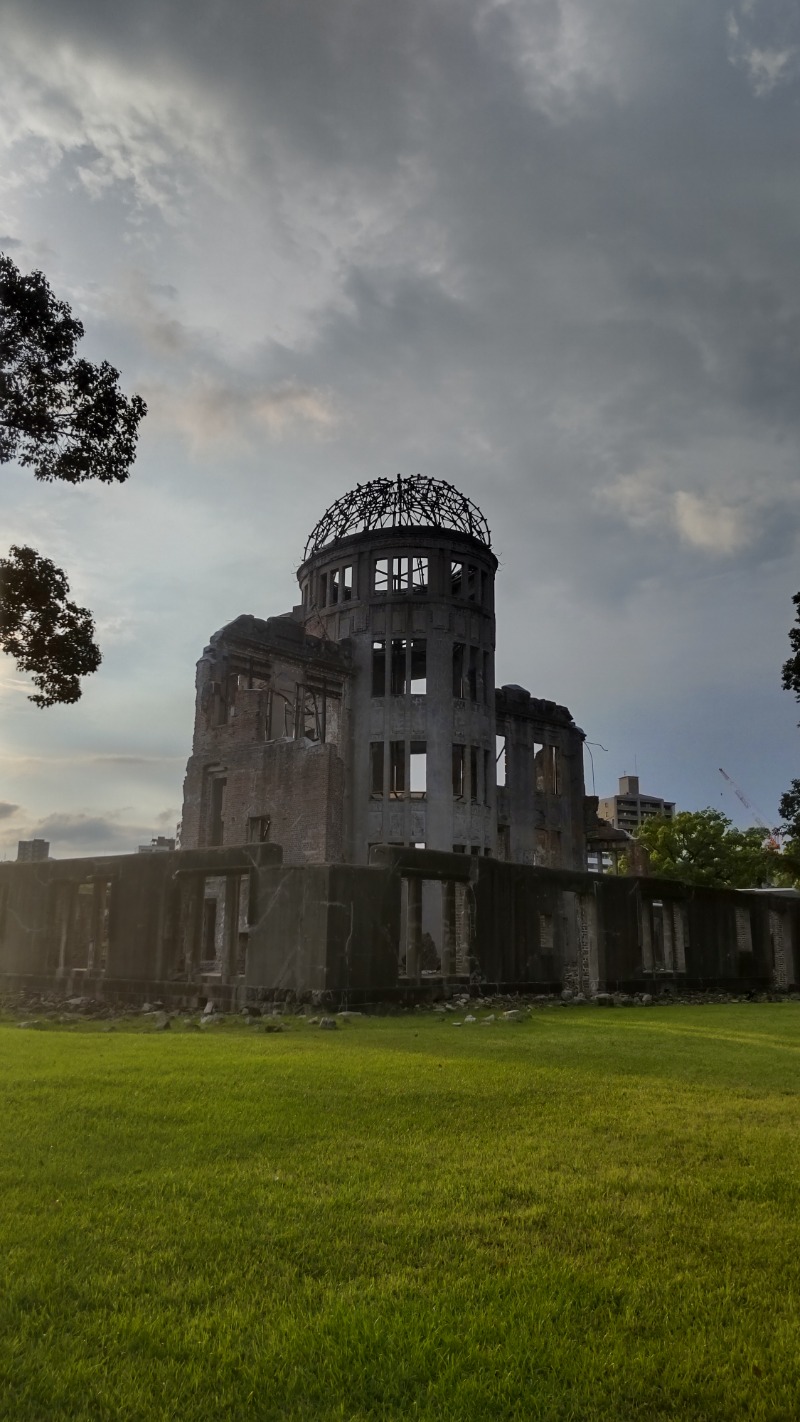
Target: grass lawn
591 1214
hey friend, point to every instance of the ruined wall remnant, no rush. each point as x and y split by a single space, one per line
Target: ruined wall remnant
136 927
368 716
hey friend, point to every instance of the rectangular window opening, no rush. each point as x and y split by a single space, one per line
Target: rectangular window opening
487 777
456 579
335 579
397 770
347 583
419 575
486 678
258 829
381 579
379 669
538 767
500 759
458 669
473 774
472 583
459 755
217 814
323 589
397 670
418 675
400 574
417 777
473 673
376 768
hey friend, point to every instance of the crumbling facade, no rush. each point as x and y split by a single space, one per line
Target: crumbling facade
369 715
367 816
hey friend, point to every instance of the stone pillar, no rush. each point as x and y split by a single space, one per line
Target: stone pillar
414 929
193 890
780 976
448 928
230 933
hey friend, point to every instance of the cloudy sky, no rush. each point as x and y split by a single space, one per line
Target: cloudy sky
544 249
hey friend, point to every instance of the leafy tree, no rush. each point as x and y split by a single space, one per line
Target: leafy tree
66 419
704 847
790 802
45 633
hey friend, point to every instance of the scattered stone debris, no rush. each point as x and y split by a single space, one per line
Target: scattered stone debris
328 1023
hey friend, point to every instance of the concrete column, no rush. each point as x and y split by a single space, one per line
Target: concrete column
448 928
230 933
414 929
193 891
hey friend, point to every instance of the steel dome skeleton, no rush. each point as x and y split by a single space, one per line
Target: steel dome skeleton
413 502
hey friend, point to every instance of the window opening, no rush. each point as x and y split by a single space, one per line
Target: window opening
456 578
397 670
472 583
258 829
419 575
376 768
486 678
399 574
417 778
473 673
459 849
538 767
458 771
458 669
486 777
397 770
347 583
209 951
418 675
323 589
500 759
335 576
381 580
555 769
379 669
473 774
217 821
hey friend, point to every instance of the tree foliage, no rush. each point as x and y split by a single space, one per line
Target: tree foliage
42 630
66 419
789 807
59 415
704 847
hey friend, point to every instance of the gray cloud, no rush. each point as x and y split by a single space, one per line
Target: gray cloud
6 810
546 249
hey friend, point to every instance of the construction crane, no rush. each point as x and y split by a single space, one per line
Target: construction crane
774 841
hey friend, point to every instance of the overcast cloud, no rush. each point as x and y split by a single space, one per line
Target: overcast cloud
545 249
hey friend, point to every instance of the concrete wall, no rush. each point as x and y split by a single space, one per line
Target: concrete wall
120 925
441 617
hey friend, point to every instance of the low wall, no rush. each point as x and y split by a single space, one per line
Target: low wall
134 927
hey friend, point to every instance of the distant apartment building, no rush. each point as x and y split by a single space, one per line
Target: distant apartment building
30 851
630 808
160 845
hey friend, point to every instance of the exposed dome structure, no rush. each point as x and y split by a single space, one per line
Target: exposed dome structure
413 502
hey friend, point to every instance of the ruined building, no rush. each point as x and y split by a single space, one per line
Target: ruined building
368 715
367 816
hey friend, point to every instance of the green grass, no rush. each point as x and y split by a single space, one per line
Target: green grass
593 1214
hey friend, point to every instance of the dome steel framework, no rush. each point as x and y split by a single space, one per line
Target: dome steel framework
413 502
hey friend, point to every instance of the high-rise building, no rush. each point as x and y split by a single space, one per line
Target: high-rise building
630 808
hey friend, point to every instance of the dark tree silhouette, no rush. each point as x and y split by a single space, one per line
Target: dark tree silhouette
66 419
790 802
42 630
